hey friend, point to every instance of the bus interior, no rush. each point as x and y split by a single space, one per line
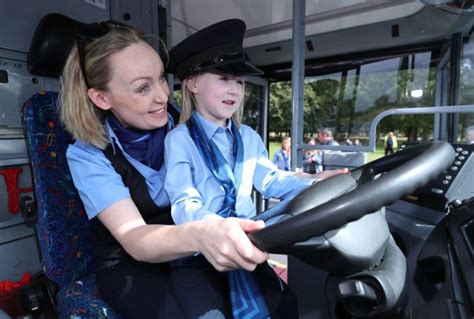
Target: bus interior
393 239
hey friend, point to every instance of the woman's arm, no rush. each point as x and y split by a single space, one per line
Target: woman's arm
223 242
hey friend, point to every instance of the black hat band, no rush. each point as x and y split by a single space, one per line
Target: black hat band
208 61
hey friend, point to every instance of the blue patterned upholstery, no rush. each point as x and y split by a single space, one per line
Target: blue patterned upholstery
64 232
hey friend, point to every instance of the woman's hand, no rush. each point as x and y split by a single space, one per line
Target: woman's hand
226 246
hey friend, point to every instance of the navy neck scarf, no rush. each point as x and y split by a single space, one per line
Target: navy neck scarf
147 147
215 161
245 293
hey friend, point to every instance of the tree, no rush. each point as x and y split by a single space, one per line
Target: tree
280 108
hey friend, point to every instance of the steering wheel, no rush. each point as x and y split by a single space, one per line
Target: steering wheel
347 197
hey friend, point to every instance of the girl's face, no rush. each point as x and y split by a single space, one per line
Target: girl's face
138 93
218 96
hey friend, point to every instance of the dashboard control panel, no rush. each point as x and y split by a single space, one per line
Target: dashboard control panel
456 182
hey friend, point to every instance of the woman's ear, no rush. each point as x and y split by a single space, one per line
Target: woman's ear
99 99
191 84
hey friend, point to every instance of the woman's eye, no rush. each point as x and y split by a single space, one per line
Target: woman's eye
144 89
162 79
224 78
240 82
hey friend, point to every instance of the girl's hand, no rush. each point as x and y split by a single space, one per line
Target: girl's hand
326 174
226 246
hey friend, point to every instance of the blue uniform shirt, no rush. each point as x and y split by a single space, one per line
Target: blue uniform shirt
282 160
196 194
97 182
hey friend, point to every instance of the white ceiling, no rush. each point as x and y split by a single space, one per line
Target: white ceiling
271 20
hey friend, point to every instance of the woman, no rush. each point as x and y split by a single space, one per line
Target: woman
282 156
114 102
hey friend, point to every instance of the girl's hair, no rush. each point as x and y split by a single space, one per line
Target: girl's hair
80 116
285 138
189 105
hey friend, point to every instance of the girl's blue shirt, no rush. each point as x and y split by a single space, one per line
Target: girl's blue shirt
281 160
196 194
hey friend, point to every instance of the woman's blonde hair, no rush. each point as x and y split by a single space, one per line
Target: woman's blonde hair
80 116
189 105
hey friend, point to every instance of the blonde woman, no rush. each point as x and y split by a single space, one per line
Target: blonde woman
114 102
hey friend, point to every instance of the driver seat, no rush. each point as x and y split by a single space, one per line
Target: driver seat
65 235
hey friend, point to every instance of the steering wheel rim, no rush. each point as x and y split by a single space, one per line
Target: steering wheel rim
406 171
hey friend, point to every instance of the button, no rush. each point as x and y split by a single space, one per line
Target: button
464 152
461 157
445 182
458 149
437 191
454 168
457 163
448 177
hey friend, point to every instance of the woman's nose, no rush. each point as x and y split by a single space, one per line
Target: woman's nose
162 93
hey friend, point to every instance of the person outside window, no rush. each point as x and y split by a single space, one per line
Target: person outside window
311 159
390 143
282 156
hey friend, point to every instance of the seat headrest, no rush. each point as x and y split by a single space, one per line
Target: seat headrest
53 39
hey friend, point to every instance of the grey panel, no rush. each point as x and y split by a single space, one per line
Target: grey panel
463 185
18 250
142 14
13 152
333 160
13 94
32 11
19 256
430 24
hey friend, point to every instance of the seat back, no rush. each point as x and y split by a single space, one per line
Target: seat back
64 232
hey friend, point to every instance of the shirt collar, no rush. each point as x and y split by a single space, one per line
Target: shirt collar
210 128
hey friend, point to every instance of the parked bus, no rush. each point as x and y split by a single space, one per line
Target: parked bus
394 241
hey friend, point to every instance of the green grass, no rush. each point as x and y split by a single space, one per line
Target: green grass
379 152
272 148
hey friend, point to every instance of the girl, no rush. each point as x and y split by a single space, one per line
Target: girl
214 161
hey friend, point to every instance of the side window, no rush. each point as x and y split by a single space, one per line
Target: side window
466 95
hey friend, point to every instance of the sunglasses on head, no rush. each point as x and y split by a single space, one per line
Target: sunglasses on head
89 33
